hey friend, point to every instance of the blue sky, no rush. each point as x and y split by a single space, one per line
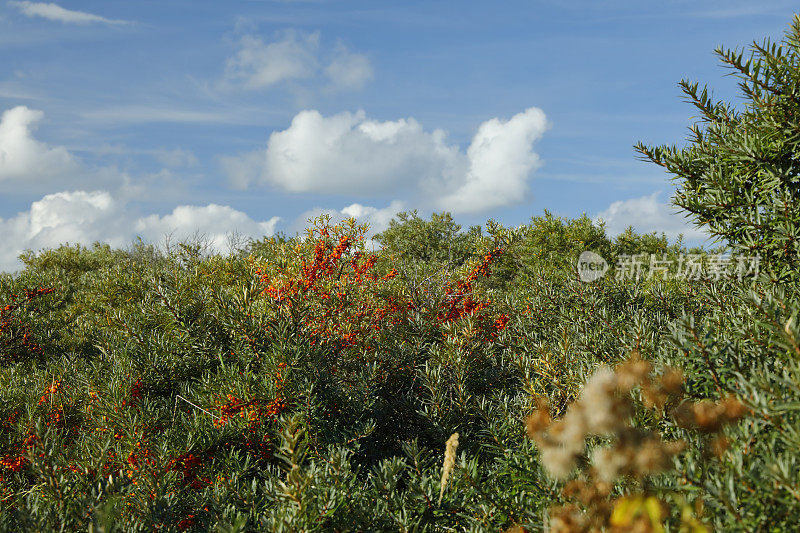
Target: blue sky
124 119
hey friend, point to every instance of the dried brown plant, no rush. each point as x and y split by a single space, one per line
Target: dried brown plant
449 462
605 408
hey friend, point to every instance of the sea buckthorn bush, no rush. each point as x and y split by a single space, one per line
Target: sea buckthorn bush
299 384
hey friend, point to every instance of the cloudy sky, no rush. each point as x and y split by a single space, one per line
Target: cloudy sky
121 119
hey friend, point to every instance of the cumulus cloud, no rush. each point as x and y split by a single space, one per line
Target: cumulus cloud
258 65
647 214
377 218
500 160
294 57
85 217
21 155
76 216
57 13
351 153
214 222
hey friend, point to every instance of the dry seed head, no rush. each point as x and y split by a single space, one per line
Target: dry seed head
558 461
637 454
571 430
719 445
651 457
568 519
633 372
709 416
608 463
600 406
734 409
565 443
537 422
672 381
588 494
656 394
449 462
605 408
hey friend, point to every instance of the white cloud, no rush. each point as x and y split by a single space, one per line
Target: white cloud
350 153
294 57
214 222
244 169
258 65
22 156
348 70
501 158
647 214
76 216
81 217
377 218
57 13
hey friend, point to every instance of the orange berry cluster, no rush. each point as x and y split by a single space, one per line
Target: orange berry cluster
459 301
254 411
136 458
16 461
49 391
135 394
338 288
55 413
500 323
189 465
187 522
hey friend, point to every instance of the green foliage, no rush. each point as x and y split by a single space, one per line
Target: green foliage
740 174
747 347
439 240
301 386
426 253
631 243
554 243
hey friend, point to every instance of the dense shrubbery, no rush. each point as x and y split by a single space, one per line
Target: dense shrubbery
302 383
451 381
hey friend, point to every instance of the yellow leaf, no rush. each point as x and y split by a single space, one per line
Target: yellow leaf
693 524
625 510
654 511
629 508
